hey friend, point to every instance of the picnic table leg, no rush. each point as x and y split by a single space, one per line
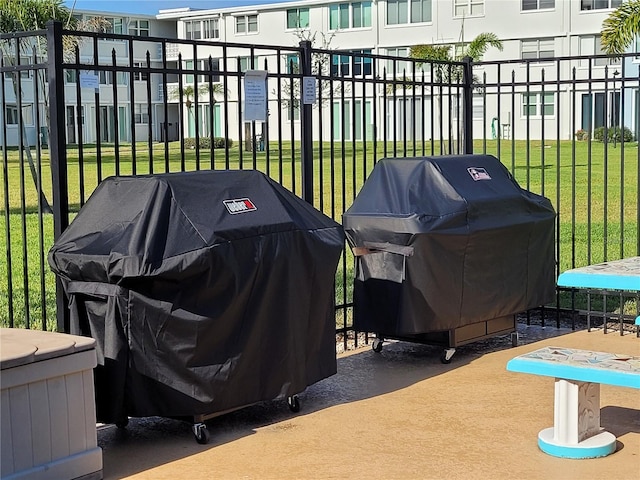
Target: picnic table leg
576 432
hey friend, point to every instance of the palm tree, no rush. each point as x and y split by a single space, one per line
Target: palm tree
446 73
188 93
621 27
23 16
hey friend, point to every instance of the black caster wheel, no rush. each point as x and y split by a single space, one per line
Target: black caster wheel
294 403
376 346
121 424
446 355
201 433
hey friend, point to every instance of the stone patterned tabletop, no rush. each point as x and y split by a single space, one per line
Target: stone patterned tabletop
621 274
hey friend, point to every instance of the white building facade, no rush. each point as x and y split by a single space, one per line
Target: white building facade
533 31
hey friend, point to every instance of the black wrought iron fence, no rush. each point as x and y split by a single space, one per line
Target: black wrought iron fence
81 106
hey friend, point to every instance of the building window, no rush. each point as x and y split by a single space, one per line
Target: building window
23 73
341 64
197 29
298 18
247 64
537 104
139 28
591 45
538 49
398 66
478 108
599 4
106 77
116 25
293 63
247 24
12 117
538 4
140 76
408 11
349 15
468 8
141 113
70 76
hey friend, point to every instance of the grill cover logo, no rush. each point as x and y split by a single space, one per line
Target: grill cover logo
239 205
478 173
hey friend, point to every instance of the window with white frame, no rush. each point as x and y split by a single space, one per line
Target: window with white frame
139 28
140 76
246 24
401 12
293 63
478 107
141 113
297 18
591 45
205 29
293 109
468 8
398 66
13 118
70 76
246 63
115 25
23 73
345 65
636 46
537 49
599 4
106 77
349 15
537 4
203 66
537 104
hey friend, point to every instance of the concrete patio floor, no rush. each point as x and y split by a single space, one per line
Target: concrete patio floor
399 414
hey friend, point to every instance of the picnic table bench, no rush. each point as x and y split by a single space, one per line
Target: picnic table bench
576 431
618 277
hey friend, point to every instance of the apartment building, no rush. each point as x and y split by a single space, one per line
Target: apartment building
534 30
529 29
120 95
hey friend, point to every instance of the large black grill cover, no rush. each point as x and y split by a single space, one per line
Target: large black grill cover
206 291
449 241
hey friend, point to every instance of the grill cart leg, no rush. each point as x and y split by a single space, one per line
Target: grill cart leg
447 353
376 346
200 432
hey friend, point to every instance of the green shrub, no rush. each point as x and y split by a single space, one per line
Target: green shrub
613 134
205 142
598 134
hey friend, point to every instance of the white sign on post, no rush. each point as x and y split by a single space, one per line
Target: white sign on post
89 80
308 90
255 95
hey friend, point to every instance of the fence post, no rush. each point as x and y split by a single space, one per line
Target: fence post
58 153
306 125
467 106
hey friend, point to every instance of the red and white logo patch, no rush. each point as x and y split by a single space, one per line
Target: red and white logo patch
478 173
239 205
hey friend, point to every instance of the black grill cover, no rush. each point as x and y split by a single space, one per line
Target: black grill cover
448 241
206 291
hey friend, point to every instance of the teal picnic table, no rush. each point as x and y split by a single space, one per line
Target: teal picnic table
617 277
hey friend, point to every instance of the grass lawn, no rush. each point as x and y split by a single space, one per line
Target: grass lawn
594 190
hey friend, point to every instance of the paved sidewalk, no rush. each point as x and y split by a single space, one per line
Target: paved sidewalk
400 414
